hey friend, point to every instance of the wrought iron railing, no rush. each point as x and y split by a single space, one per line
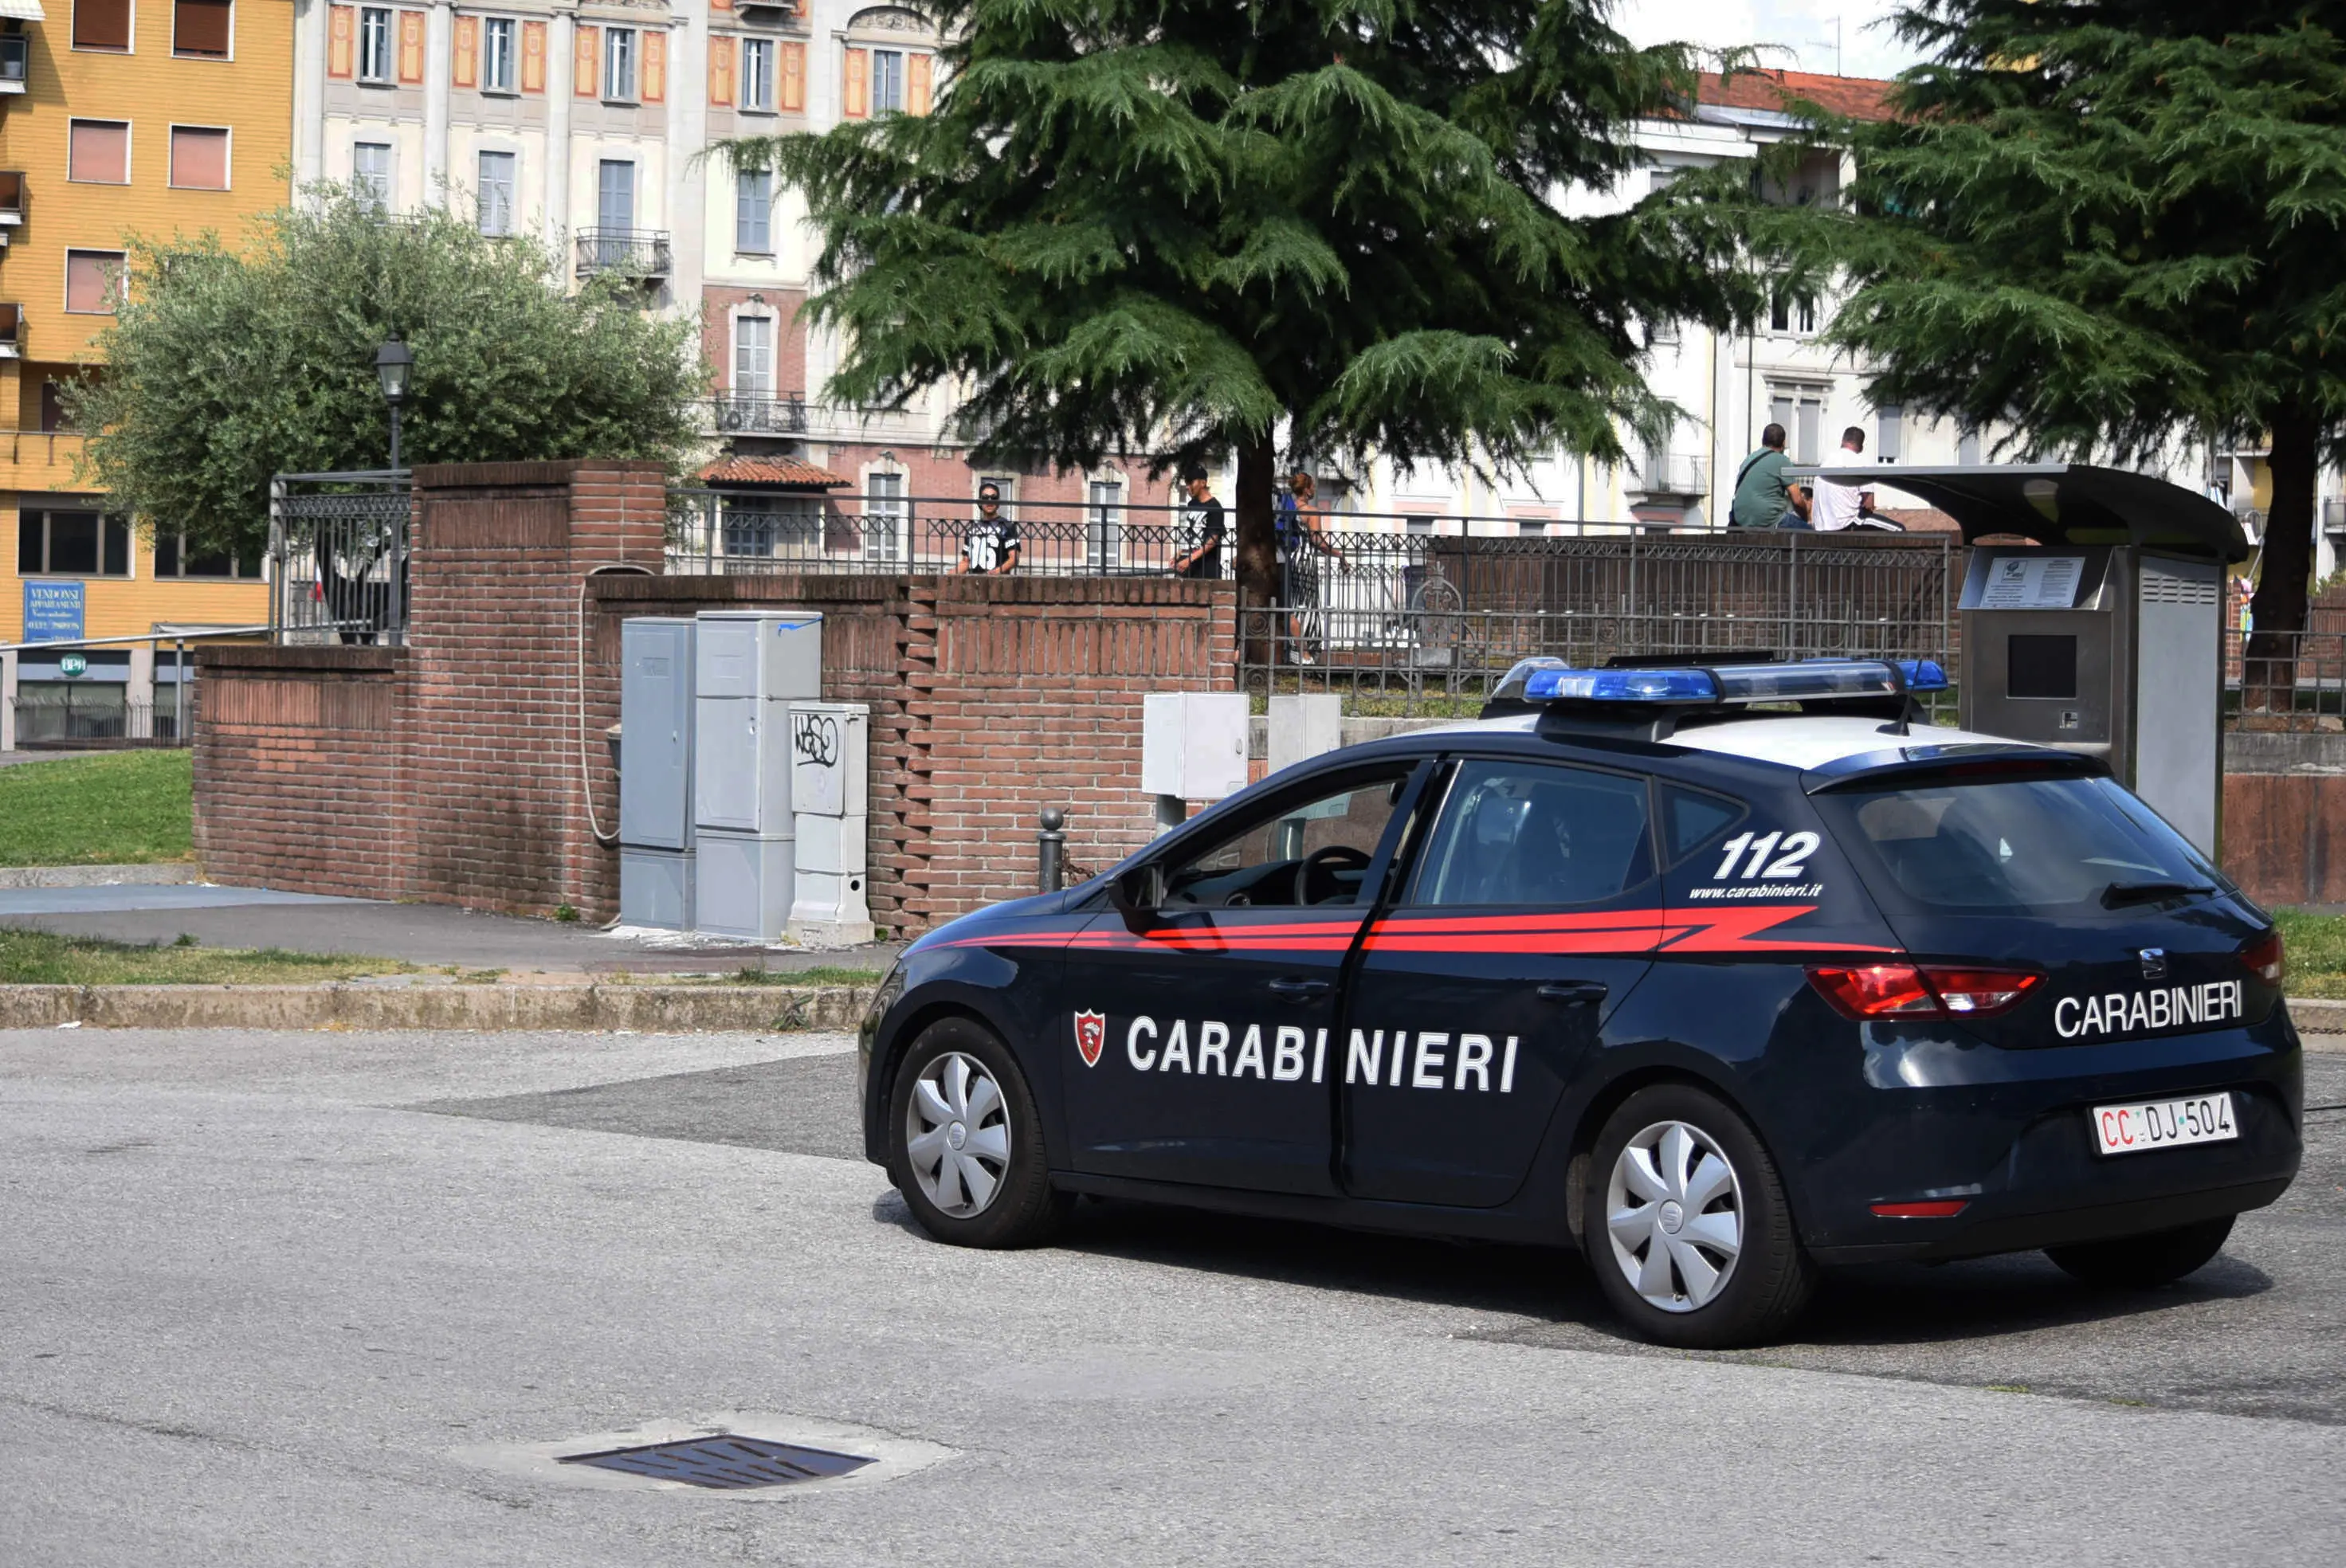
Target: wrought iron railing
338 548
752 414
16 51
626 253
2284 681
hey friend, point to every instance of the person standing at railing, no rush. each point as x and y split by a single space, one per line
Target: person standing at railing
1841 506
1197 533
1302 540
991 547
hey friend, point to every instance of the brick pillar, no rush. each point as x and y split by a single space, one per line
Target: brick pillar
493 794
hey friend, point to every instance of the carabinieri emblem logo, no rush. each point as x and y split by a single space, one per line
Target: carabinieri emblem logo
1091 1035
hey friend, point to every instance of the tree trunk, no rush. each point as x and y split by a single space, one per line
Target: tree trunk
2269 676
1257 550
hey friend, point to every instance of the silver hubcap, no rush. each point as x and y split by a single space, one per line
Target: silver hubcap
1675 1213
957 1134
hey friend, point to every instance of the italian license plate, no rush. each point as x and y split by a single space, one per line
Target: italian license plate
2164 1124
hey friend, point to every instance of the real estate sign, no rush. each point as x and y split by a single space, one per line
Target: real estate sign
51 611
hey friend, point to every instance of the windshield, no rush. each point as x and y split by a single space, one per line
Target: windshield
2016 846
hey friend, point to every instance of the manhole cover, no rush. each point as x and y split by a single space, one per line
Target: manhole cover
726 1462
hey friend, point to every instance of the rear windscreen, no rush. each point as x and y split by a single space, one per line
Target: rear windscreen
2010 846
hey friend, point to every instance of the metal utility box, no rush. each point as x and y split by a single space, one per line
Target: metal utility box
656 733
750 664
2107 635
655 888
1193 744
830 787
743 885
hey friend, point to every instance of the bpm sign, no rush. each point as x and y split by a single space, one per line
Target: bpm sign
51 611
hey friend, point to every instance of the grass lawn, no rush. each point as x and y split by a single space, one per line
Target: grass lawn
128 808
45 958
2316 948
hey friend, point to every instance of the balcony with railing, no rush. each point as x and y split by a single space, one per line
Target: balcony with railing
636 253
1672 473
757 413
12 200
15 56
11 332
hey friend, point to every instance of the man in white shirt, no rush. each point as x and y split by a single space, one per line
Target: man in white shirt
1839 506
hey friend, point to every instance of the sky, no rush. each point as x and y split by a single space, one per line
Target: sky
1805 27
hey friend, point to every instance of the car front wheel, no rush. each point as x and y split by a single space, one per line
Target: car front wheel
966 1143
1687 1226
2140 1262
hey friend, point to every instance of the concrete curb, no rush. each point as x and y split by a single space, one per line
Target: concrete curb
650 1009
2315 1016
164 876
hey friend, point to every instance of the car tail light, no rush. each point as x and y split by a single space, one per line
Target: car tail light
1935 1209
2265 960
1922 991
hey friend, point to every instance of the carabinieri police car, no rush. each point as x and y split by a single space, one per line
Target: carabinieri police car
1720 974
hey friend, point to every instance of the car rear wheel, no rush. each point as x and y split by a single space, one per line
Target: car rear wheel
2140 1262
966 1143
1687 1226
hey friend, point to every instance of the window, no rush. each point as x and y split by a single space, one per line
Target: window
97 152
1531 527
72 545
1693 818
757 74
1889 427
619 63
370 171
615 195
1314 850
753 212
1801 410
54 415
201 27
173 559
200 157
496 192
497 54
885 514
1103 522
93 281
2014 847
102 24
1790 313
1527 833
753 356
374 44
887 81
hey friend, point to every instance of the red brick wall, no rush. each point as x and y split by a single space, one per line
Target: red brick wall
297 764
2285 835
451 771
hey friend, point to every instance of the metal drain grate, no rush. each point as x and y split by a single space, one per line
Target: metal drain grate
724 1463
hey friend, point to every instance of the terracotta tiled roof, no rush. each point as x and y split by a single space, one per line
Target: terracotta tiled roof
1859 97
790 471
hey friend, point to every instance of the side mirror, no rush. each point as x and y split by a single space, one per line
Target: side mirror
1135 894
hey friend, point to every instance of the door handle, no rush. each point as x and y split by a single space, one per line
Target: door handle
1291 989
1574 992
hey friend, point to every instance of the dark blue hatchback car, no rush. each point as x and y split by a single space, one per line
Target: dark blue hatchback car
1720 974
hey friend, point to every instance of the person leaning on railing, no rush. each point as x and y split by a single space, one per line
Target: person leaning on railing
991 548
1302 537
1197 532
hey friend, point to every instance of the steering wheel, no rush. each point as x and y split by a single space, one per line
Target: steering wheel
1323 863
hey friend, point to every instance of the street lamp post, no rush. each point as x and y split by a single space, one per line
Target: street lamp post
393 362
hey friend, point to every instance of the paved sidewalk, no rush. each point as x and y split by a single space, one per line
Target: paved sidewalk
417 933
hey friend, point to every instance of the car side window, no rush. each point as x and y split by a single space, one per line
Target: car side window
1314 850
1535 833
1693 818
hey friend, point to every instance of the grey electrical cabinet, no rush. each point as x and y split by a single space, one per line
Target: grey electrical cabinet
2107 635
656 755
750 665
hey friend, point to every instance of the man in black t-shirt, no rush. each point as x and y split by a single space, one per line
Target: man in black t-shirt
1197 533
991 548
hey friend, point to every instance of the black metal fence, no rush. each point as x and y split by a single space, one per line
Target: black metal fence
338 549
97 714
2285 680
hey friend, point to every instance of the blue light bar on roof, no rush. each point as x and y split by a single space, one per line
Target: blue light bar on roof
1802 680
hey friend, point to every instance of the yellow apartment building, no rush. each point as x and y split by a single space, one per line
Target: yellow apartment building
151 117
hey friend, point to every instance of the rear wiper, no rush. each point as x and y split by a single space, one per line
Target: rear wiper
2118 895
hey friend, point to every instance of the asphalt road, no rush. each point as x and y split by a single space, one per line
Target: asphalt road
304 1298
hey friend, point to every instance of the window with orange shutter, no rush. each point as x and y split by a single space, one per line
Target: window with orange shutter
411 46
855 102
464 53
720 72
916 84
655 66
93 281
200 157
792 100
97 152
202 29
342 41
586 47
102 24
532 56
